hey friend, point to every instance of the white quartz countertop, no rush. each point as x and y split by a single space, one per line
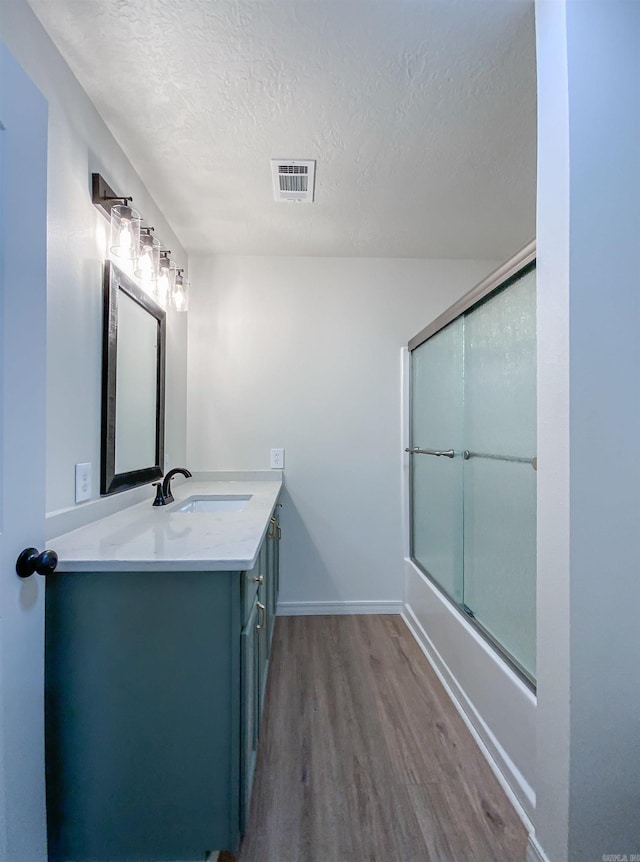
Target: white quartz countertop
147 538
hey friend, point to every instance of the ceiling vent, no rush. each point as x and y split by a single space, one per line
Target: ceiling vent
293 179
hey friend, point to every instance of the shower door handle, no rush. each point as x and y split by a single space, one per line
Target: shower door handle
444 453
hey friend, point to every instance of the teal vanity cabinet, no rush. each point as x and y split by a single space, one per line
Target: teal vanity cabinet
252 669
274 536
153 700
261 587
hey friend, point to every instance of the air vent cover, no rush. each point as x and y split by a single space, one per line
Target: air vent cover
293 179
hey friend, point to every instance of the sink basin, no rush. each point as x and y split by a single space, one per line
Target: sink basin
215 503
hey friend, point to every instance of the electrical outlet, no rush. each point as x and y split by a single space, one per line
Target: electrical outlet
83 482
277 459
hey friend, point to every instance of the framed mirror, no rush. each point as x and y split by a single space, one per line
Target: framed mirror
133 375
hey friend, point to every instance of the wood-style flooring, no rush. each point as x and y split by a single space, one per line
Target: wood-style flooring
363 758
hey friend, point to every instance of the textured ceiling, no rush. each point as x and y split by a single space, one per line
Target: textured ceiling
420 114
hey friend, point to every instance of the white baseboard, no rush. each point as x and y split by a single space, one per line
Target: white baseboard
501 764
301 609
535 853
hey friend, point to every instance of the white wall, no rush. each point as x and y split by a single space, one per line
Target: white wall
588 787
79 143
305 353
553 659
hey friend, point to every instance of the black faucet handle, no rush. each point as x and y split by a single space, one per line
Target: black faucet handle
160 498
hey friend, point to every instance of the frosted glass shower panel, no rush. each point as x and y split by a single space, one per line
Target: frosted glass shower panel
436 482
500 554
500 372
499 474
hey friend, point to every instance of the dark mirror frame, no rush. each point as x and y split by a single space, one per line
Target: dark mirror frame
115 280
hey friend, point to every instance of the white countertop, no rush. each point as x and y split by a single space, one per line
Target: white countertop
147 538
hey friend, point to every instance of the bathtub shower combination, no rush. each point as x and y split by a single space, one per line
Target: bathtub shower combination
473 459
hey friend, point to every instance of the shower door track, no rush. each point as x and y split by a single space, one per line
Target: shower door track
486 635
500 278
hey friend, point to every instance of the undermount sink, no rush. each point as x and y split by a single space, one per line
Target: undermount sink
215 503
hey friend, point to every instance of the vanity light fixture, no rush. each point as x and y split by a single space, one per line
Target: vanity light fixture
125 220
181 292
152 265
125 231
164 285
148 256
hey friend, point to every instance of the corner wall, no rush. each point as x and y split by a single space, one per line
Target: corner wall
79 143
588 786
604 138
305 354
553 564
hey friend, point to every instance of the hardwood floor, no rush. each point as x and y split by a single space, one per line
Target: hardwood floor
364 759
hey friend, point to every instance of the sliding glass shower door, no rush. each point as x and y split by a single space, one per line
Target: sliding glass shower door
436 480
473 465
499 475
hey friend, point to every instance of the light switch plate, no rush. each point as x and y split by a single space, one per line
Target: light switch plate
83 482
277 459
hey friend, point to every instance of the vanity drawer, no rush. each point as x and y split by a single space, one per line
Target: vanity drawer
251 580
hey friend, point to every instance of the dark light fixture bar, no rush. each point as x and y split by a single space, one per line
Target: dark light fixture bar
103 196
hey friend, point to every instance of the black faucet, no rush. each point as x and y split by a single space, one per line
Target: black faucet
163 494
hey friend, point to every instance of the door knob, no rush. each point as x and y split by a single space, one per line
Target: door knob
31 561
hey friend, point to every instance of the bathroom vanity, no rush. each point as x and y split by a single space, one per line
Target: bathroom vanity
158 632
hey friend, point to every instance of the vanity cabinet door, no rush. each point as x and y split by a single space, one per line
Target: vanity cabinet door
263 644
272 544
250 709
276 558
274 535
251 580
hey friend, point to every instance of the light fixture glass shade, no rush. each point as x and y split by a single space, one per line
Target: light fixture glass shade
164 286
125 231
180 297
148 258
